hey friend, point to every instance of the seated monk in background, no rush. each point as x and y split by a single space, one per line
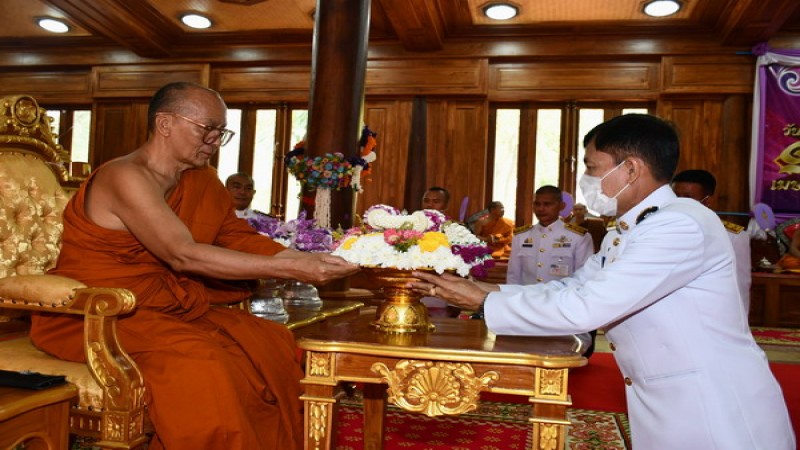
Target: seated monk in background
791 259
160 223
496 230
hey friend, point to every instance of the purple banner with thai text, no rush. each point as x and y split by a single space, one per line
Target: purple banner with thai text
775 163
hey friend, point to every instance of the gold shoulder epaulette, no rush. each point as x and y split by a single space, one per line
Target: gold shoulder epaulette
522 229
732 227
575 228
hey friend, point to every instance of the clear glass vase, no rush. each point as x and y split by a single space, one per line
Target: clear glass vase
267 303
297 293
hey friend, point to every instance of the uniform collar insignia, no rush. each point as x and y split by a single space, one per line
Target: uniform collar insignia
646 212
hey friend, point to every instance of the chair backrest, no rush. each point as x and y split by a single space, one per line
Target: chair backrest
33 168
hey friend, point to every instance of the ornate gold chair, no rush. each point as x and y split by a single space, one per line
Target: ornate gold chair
34 188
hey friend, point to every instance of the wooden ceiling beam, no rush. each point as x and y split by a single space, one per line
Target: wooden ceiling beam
136 26
749 22
417 23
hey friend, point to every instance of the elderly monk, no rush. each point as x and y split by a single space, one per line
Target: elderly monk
159 222
496 230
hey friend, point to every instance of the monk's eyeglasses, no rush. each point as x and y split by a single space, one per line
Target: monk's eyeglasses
212 133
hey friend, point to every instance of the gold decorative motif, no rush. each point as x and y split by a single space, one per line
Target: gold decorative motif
551 382
548 436
402 311
318 423
319 364
434 388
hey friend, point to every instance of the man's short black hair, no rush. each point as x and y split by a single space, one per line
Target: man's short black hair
702 177
650 138
443 191
549 190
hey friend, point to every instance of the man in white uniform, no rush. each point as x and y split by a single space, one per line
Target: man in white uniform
242 189
701 185
551 249
664 287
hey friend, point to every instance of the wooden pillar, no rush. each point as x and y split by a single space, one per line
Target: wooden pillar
338 70
417 156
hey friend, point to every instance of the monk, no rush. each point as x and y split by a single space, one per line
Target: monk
160 223
496 230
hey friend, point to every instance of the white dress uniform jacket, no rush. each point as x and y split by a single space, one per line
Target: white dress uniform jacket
541 254
665 290
741 249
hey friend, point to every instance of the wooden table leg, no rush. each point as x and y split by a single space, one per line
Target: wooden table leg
772 303
374 415
549 411
319 412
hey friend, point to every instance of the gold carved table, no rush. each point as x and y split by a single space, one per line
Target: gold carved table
437 373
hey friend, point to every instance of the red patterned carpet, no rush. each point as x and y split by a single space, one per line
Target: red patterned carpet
591 430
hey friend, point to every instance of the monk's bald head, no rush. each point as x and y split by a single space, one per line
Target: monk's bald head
180 97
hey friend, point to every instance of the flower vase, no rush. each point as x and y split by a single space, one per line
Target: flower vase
297 293
401 311
267 303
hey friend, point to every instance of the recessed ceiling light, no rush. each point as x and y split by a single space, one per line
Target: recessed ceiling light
661 8
500 11
52 25
195 20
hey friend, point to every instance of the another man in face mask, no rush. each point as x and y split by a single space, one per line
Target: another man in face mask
663 285
701 185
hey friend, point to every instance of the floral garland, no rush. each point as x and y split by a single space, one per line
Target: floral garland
423 239
299 234
332 170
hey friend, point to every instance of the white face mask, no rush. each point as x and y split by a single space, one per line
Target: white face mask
593 193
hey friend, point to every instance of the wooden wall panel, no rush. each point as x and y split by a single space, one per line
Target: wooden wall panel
252 84
717 75
457 155
49 87
714 136
430 76
392 121
119 129
570 80
143 80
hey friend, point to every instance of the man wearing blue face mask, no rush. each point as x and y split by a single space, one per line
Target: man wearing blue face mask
663 286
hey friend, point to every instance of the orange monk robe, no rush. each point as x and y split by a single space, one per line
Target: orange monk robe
215 377
502 230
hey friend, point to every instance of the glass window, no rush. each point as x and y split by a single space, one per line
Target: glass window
299 127
228 156
263 158
588 118
548 148
506 155
81 130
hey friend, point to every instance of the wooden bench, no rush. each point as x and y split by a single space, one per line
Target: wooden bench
36 420
775 300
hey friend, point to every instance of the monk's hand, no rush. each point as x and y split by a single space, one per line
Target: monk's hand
320 268
455 290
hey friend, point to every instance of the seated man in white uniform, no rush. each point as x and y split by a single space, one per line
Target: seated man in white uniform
242 189
701 185
663 285
552 248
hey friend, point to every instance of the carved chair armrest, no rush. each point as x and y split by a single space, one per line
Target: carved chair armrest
112 368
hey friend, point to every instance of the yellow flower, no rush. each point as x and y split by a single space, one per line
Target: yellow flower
349 242
432 240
